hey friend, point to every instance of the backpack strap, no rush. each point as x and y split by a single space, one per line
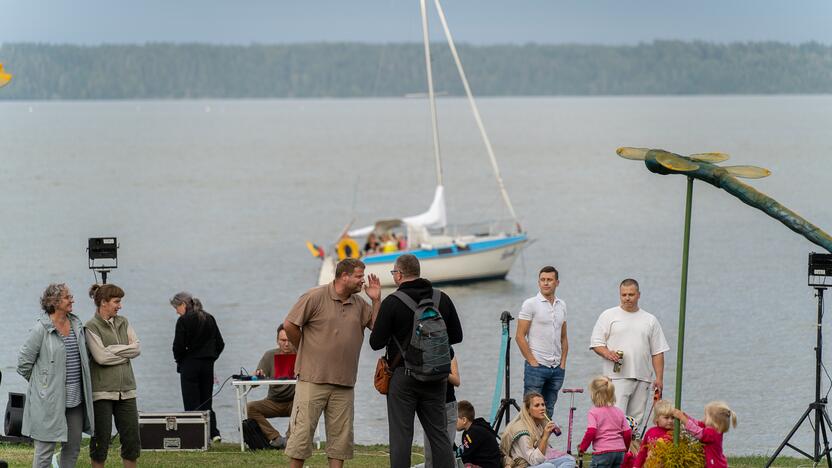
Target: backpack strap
411 304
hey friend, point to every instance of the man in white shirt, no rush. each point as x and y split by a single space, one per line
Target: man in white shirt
636 333
541 337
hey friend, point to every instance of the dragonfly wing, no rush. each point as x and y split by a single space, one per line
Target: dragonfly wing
636 154
712 158
748 172
674 162
4 77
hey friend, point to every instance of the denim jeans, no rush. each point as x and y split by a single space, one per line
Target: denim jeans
546 381
607 460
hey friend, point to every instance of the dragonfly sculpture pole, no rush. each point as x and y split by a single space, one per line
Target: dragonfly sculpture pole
703 167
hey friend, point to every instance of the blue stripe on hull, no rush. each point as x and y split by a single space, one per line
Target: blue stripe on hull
450 251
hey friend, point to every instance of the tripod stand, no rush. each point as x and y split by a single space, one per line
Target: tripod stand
507 402
821 422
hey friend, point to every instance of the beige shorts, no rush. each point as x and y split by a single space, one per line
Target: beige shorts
336 403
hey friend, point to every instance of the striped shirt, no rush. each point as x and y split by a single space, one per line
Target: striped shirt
73 370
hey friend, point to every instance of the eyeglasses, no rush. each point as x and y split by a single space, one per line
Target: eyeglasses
69 297
393 272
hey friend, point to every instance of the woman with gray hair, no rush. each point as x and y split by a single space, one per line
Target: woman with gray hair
59 397
197 343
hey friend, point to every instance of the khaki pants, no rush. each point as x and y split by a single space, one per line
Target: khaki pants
261 410
631 396
336 403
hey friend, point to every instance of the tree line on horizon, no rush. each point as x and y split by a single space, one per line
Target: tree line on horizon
351 70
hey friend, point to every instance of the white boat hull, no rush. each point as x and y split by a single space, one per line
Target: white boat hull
488 262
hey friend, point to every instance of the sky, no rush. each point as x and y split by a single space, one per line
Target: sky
380 21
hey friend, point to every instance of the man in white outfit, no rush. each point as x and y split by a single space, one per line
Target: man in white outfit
637 334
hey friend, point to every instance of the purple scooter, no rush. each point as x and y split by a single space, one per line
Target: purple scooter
572 392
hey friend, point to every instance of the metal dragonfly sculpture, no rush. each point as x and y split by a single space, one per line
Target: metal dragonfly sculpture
703 166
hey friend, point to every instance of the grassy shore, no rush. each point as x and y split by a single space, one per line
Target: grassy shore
230 455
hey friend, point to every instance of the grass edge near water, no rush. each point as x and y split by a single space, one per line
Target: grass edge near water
228 454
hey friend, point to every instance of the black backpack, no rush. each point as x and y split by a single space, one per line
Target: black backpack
428 356
253 436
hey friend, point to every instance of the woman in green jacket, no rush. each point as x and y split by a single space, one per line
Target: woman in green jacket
113 344
59 398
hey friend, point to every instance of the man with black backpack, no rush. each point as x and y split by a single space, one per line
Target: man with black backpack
417 324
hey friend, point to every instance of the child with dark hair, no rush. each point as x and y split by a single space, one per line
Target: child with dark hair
479 447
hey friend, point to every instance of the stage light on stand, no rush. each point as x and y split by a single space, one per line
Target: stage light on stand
820 270
103 255
820 278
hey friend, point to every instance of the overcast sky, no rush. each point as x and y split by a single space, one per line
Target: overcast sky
473 21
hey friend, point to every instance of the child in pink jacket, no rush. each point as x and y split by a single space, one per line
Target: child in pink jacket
607 429
718 419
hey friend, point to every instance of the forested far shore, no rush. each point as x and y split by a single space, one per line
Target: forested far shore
349 70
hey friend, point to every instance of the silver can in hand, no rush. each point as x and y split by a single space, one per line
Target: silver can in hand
616 367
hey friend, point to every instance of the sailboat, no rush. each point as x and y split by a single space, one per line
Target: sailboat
444 258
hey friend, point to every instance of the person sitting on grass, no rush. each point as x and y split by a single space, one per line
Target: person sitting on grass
607 428
718 419
525 442
479 447
663 418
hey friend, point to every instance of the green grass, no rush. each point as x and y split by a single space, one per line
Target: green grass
226 454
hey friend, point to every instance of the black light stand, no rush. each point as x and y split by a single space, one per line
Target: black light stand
507 402
103 249
820 277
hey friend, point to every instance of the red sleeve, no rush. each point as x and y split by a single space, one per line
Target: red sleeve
589 436
642 455
628 436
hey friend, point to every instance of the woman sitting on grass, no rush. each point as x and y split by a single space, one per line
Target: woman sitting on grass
525 442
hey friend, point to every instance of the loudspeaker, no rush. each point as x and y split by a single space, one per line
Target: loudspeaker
14 414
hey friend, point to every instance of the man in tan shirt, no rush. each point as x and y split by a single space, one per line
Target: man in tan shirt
327 325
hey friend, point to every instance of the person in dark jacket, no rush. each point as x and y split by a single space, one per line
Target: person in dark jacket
196 345
408 396
479 441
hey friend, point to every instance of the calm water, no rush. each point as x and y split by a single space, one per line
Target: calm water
218 197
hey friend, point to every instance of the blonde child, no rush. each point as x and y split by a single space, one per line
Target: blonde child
718 419
663 418
607 428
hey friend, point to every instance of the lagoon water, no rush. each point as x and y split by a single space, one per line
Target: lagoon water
218 198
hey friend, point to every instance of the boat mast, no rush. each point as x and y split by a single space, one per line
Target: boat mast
431 94
475 111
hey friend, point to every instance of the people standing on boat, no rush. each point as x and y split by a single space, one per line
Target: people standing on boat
326 326
401 241
389 243
632 344
408 396
278 402
542 339
197 343
54 361
112 343
371 246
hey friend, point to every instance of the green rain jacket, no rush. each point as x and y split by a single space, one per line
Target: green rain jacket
42 361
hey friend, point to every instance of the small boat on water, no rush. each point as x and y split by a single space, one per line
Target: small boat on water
446 255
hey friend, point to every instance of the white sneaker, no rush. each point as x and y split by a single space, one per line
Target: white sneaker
216 439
